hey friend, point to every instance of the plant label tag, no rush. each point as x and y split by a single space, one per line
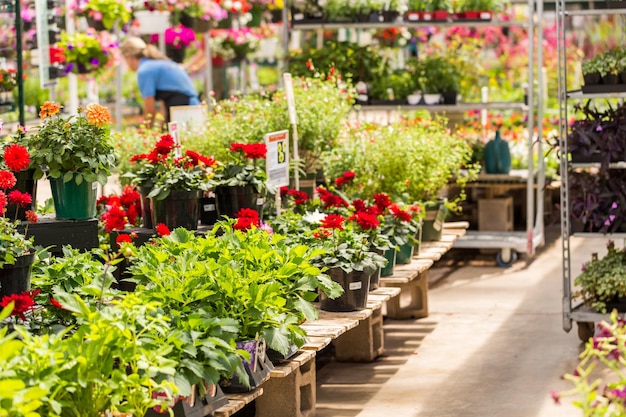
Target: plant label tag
277 159
441 216
259 201
209 207
353 286
291 99
94 186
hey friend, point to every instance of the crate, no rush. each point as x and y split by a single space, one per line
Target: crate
495 214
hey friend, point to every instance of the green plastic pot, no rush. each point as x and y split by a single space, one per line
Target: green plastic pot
74 201
390 255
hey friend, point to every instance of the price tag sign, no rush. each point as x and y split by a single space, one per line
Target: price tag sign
277 162
174 131
291 100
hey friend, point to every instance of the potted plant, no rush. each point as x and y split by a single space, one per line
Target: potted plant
417 11
104 14
177 40
600 284
439 76
234 44
74 152
199 14
173 181
478 9
86 52
590 69
241 181
440 9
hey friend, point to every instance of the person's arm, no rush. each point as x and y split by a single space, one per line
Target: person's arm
196 62
149 110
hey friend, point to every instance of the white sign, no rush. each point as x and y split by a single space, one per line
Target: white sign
277 162
291 100
172 128
189 117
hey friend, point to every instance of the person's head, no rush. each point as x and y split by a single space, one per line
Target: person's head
134 48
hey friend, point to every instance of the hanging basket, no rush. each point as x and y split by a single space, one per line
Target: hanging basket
149 22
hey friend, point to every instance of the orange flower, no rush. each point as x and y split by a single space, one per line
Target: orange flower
48 109
98 115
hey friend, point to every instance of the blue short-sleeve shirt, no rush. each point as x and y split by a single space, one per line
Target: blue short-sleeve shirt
163 75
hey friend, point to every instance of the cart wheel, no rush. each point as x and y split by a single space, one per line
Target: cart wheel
506 257
585 330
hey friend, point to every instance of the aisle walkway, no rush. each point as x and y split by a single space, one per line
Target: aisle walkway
493 345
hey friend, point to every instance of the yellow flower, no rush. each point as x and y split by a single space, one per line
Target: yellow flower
48 109
98 115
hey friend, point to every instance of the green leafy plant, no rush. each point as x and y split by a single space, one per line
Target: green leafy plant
438 74
13 242
600 281
398 85
76 146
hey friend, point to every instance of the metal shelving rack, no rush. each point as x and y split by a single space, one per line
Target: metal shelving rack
584 316
509 243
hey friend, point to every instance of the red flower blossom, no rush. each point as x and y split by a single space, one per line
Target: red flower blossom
382 201
3 202
365 220
123 238
247 212
251 151
196 158
7 179
24 302
347 177
114 218
164 145
31 216
56 304
162 230
245 223
284 190
333 221
299 197
19 198
132 214
16 157
329 199
400 214
102 201
359 205
322 233
129 196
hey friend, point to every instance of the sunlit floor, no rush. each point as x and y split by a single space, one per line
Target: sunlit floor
493 345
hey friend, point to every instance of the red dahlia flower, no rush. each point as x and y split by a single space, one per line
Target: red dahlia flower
16 157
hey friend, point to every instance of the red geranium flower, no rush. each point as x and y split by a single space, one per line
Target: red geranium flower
7 179
329 199
299 197
333 221
245 223
164 145
251 151
359 205
56 304
365 220
123 238
114 218
382 201
162 230
24 302
322 233
196 158
16 157
3 202
400 214
19 198
129 196
31 216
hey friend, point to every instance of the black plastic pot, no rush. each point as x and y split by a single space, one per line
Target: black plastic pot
15 279
355 286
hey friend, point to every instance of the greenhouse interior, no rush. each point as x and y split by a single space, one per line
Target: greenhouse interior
412 172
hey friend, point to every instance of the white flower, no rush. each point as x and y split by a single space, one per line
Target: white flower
314 218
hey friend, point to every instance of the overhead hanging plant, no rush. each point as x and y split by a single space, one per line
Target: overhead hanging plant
105 12
87 52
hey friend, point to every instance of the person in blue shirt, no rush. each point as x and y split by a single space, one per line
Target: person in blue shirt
158 78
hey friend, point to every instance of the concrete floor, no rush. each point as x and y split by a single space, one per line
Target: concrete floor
493 345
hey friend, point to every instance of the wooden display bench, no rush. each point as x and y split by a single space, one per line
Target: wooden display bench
238 401
412 278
